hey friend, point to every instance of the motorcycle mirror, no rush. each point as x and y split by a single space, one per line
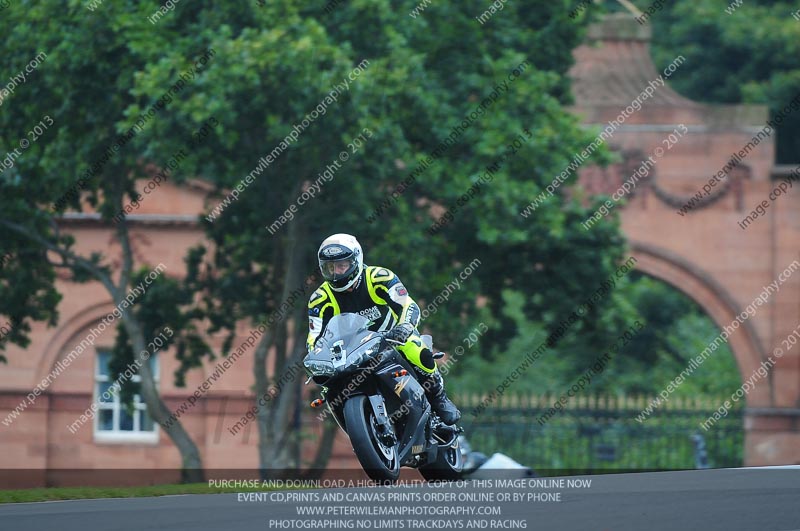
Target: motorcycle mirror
438 355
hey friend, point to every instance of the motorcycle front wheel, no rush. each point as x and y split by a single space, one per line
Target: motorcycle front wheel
448 466
378 459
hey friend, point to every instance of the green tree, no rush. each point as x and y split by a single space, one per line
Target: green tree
271 67
749 56
77 98
423 77
674 330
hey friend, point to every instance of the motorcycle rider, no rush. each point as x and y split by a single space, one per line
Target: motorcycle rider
377 294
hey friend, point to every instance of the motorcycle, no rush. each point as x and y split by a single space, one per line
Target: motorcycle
371 391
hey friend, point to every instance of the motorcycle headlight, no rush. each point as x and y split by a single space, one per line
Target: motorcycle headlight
319 368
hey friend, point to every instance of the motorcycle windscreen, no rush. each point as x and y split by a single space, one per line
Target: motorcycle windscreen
344 343
344 324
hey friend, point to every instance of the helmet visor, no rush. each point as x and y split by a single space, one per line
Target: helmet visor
333 270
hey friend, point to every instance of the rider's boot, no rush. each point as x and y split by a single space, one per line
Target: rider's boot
433 384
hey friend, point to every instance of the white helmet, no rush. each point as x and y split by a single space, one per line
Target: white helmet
334 254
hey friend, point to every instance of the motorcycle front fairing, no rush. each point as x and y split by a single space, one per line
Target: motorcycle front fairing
346 349
344 345
342 351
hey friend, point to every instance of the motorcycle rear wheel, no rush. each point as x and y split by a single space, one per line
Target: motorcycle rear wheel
379 461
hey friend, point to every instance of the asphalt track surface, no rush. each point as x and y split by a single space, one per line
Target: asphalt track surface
711 500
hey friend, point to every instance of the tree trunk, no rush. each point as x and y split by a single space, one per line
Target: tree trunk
329 431
192 464
273 450
192 467
262 388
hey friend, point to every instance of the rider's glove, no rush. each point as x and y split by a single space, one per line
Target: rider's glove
400 333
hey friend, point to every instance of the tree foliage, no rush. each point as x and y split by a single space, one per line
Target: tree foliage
423 77
749 56
271 67
673 331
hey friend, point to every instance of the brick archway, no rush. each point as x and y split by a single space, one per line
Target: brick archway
715 300
701 249
70 334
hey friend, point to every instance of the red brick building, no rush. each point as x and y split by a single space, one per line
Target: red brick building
704 253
